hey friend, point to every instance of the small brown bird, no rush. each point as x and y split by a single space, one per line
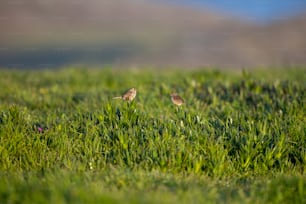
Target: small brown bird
176 99
128 96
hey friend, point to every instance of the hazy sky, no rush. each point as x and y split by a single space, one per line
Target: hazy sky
259 10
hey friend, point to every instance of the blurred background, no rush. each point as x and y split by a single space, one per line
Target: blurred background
183 33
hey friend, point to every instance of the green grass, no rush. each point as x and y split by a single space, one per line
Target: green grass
240 137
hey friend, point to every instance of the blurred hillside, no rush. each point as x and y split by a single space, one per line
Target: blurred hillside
55 33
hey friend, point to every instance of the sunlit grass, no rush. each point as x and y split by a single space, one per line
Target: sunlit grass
240 137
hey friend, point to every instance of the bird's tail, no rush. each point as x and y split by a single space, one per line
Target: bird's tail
118 97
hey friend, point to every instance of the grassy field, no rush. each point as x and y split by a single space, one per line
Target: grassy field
239 138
